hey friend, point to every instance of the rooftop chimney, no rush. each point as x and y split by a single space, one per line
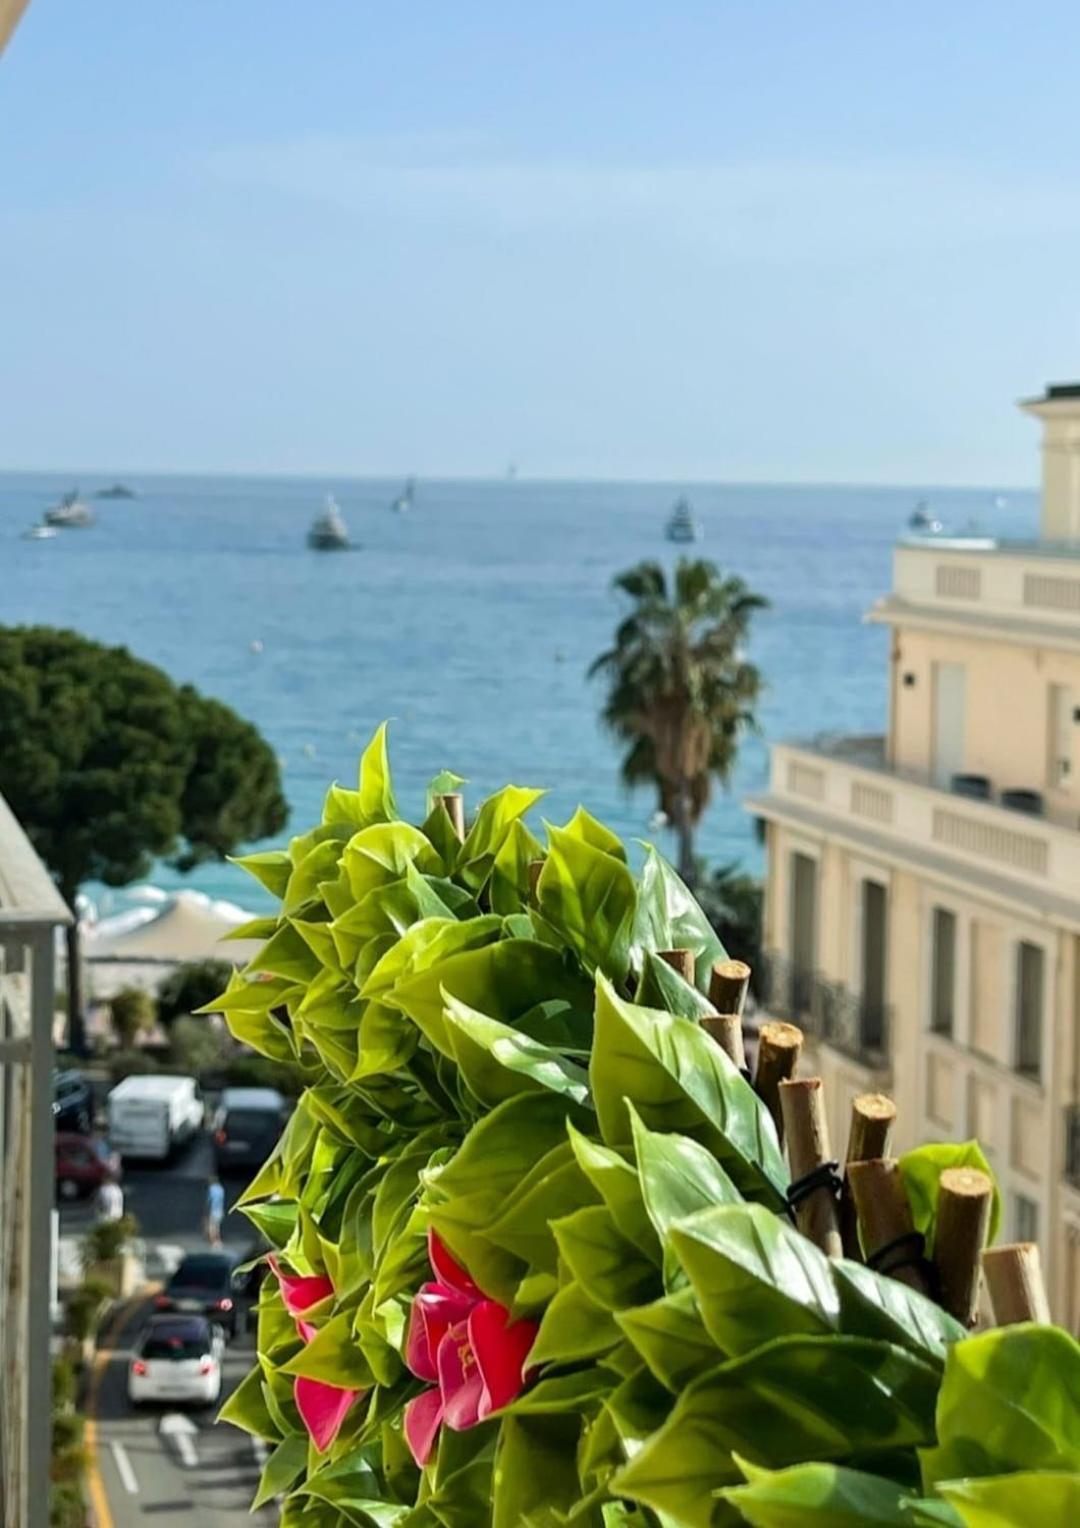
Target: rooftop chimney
1059 410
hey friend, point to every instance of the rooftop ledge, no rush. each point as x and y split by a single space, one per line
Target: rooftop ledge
1002 546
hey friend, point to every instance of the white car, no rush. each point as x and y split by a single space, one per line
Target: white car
177 1358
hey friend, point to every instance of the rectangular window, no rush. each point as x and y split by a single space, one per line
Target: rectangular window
874 953
1029 1009
803 930
1025 1219
943 972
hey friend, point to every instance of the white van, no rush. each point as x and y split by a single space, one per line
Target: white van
149 1116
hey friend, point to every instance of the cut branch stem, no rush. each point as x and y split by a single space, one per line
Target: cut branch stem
872 1116
779 1048
807 1130
884 1214
728 983
1014 1282
963 1218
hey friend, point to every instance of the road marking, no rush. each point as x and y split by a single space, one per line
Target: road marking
99 1499
181 1430
260 1450
123 1468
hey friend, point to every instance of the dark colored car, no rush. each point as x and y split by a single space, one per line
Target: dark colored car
81 1168
204 1285
247 1125
73 1103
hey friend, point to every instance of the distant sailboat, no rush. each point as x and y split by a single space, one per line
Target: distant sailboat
681 525
924 521
404 500
71 513
329 532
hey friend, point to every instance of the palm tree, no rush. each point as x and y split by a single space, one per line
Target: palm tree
680 693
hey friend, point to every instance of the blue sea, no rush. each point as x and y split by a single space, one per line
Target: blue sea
469 622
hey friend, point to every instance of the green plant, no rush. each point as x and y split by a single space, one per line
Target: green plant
197 1044
680 693
532 1261
131 1063
103 1243
86 1305
190 987
109 765
67 1508
65 1383
133 1011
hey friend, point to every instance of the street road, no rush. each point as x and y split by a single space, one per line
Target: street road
156 1464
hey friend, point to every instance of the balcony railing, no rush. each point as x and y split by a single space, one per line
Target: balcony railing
1072 1144
856 1025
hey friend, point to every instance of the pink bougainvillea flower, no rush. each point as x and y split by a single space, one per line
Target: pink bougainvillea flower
322 1407
468 1345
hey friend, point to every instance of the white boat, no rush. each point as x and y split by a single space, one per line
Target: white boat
924 521
40 533
329 532
71 513
404 500
681 525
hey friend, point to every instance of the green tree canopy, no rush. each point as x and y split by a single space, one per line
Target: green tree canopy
109 765
680 693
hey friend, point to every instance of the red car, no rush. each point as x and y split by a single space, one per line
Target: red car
80 1168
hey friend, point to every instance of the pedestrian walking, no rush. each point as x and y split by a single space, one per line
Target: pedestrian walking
110 1200
215 1211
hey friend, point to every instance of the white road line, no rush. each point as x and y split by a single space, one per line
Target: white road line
123 1468
260 1450
182 1432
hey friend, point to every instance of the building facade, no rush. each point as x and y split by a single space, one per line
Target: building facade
922 910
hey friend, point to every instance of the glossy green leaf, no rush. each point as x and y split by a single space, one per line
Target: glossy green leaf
379 854
523 1225
246 1408
271 868
669 918
496 1062
660 986
755 1277
1040 1498
535 1475
573 1328
678 1177
426 946
619 1185
333 1355
817 1496
281 1470
795 1399
921 1172
374 786
1010 1400
275 1219
872 1305
590 898
489 831
609 1268
509 889
584 825
678 1079
671 1338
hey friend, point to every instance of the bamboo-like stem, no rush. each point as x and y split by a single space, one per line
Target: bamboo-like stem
454 804
726 1030
963 1219
728 983
881 1203
807 1130
1014 1282
872 1116
779 1048
681 961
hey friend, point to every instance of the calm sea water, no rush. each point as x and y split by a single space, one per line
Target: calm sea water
469 621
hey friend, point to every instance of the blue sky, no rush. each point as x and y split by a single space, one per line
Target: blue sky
772 241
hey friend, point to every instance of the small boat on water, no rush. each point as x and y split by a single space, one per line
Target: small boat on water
71 513
924 521
681 524
328 532
404 500
40 533
116 491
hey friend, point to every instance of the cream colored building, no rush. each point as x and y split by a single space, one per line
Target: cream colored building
923 891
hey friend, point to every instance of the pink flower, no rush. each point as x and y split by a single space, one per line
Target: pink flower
468 1345
322 1407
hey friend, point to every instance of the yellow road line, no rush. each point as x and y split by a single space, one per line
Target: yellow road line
99 1500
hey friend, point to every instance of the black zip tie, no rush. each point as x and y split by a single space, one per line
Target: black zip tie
824 1175
746 1075
904 1251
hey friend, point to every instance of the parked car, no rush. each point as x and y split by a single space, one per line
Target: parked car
73 1103
247 1124
204 1285
149 1116
177 1358
81 1168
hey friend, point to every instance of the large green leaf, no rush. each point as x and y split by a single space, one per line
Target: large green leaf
755 1277
671 1337
509 889
573 1328
270 867
523 1225
660 986
1046 1498
589 896
619 1185
584 825
609 1268
246 1407
496 1062
797 1398
379 854
375 788
921 1170
489 831
1009 1401
817 1496
678 1177
535 1477
669 918
678 1079
281 1470
872 1305
426 946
